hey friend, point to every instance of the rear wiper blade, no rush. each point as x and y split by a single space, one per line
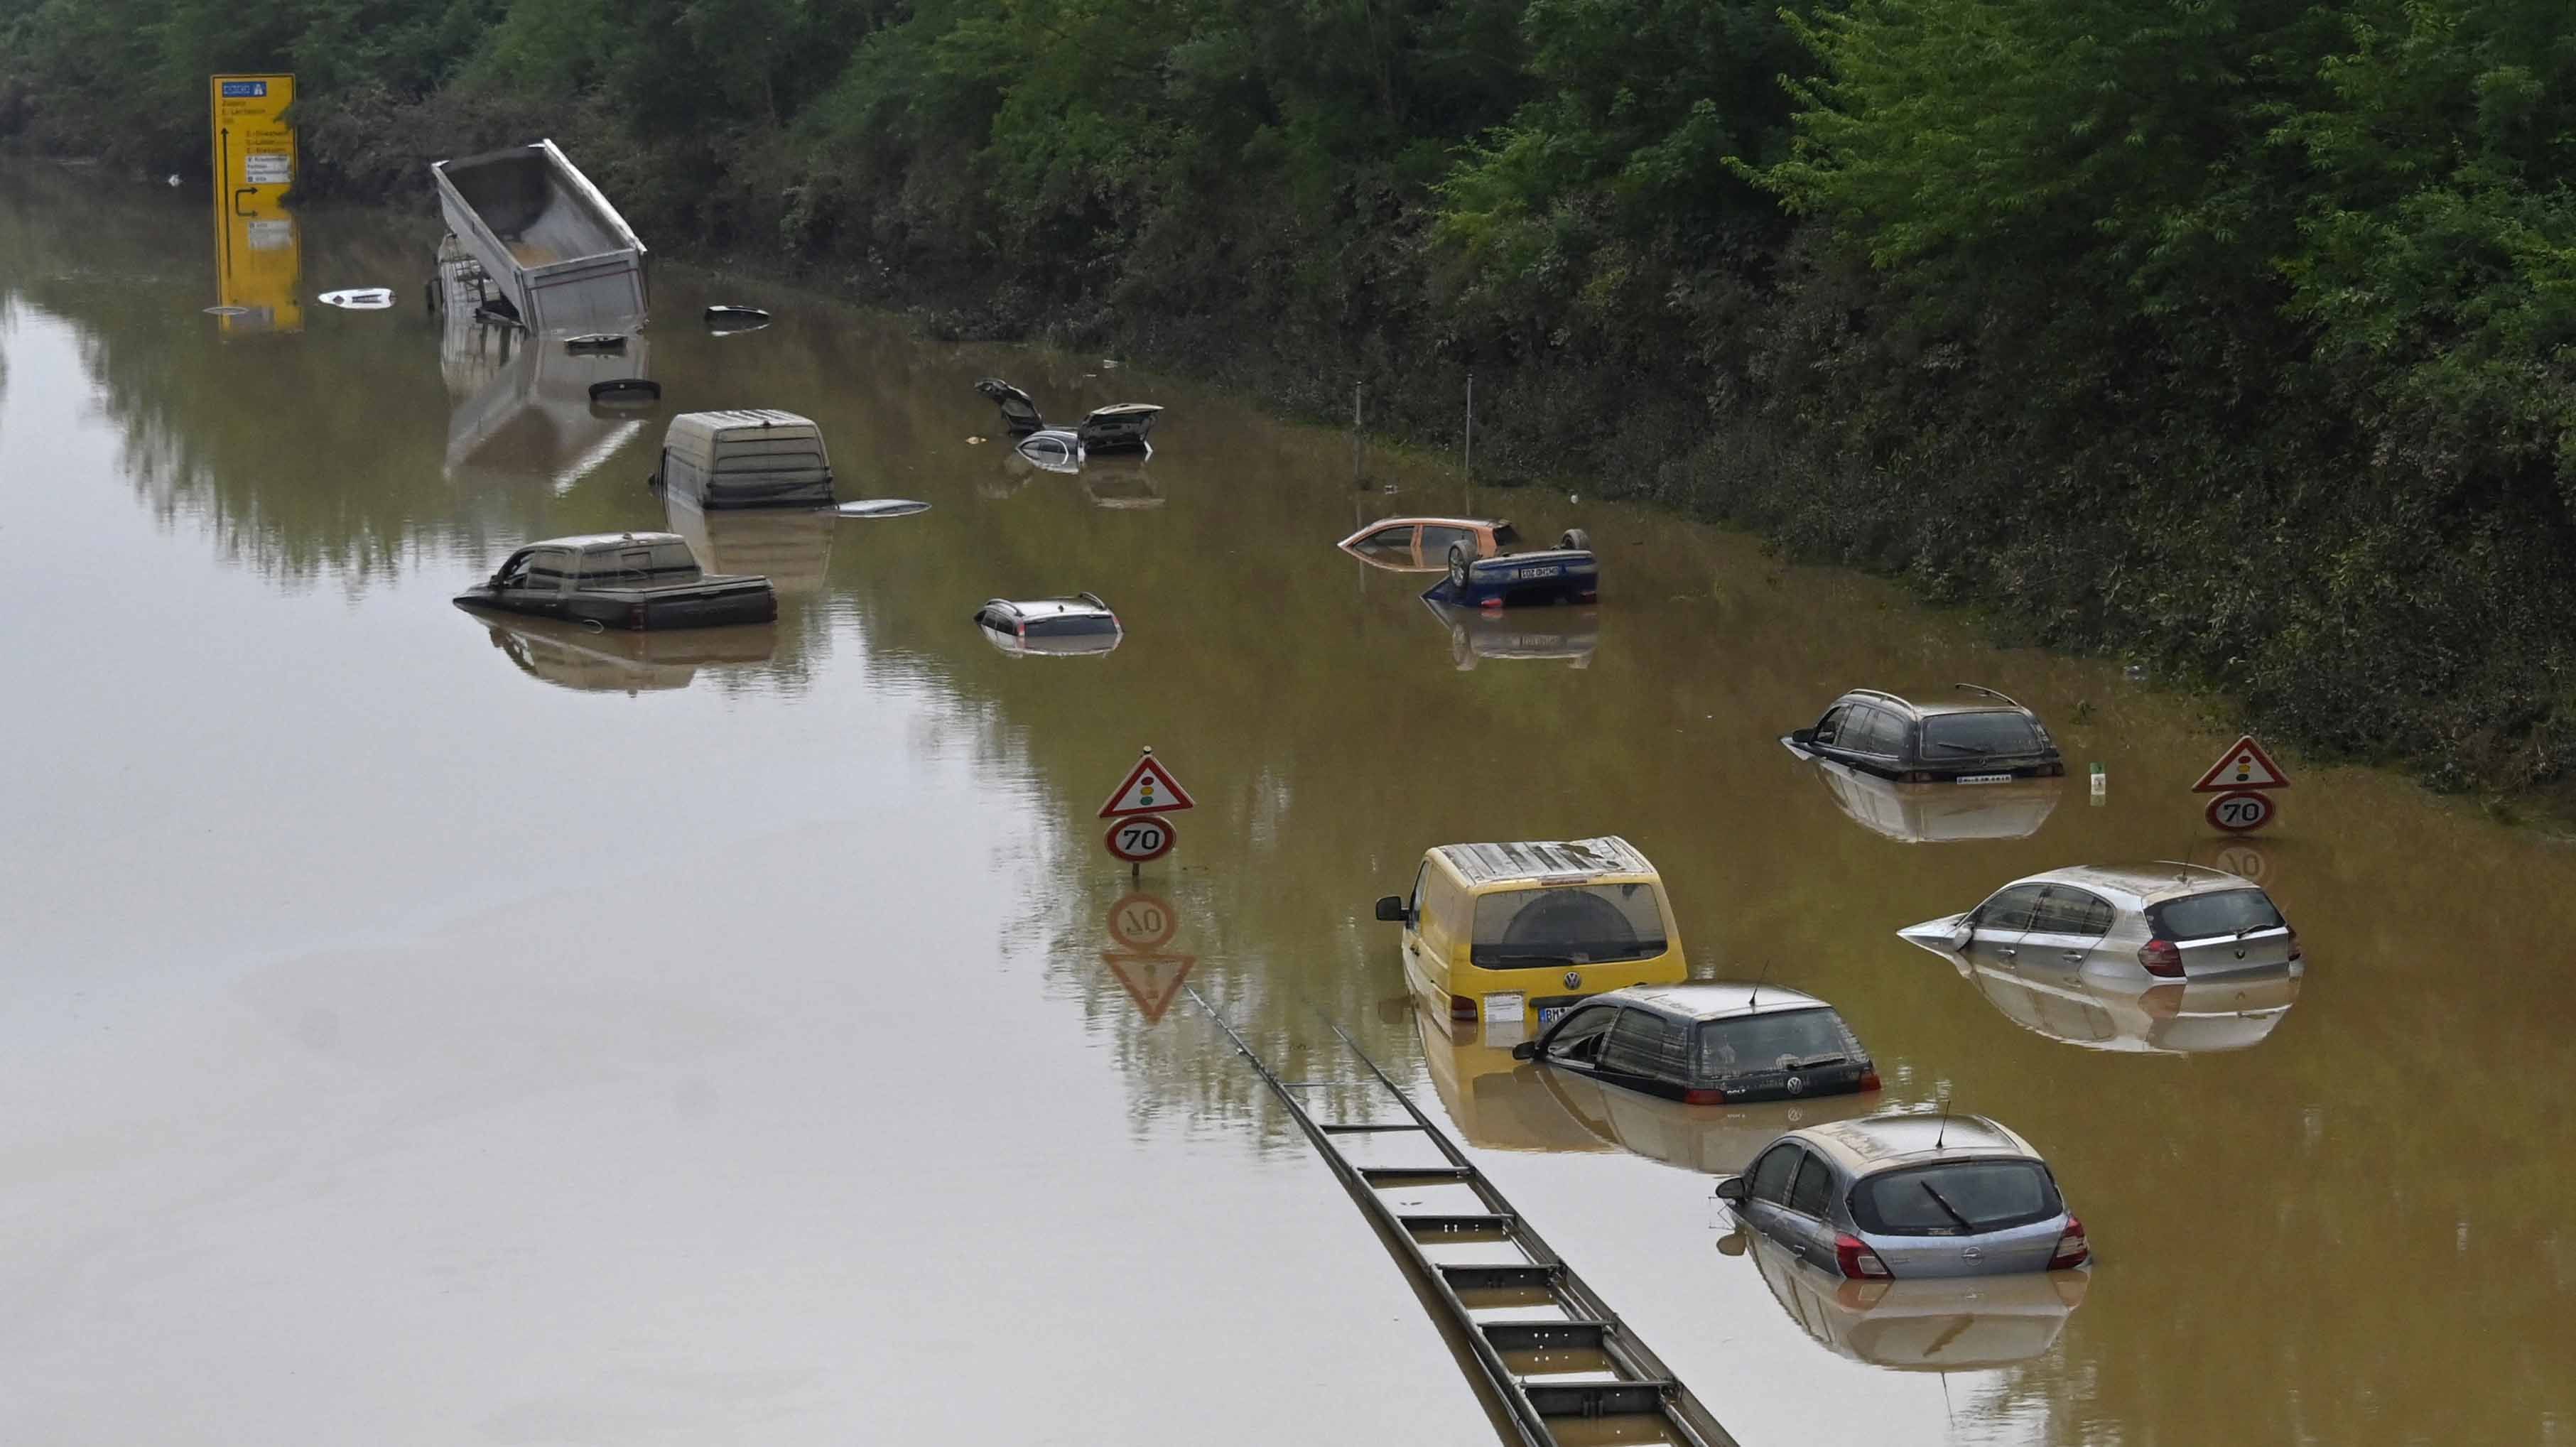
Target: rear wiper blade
1946 1208
1960 748
1788 1062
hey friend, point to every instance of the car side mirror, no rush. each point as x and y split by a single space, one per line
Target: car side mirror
1962 934
1526 1050
1731 1190
1802 736
1391 908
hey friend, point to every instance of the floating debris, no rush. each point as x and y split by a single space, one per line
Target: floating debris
974 441
360 298
596 342
736 318
625 392
228 311
881 507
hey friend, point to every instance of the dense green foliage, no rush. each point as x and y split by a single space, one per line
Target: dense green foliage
2228 332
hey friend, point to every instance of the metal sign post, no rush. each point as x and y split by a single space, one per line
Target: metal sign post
2239 779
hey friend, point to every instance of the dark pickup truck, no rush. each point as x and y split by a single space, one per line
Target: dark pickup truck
622 580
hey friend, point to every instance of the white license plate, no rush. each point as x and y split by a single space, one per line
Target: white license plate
1526 573
1985 778
1551 1015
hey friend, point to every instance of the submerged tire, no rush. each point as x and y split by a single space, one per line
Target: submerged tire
1576 538
1459 562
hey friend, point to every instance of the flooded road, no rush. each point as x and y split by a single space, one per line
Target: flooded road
423 1028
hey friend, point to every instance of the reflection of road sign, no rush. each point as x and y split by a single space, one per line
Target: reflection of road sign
1151 980
2244 861
1150 789
2243 766
2240 811
1142 922
1138 840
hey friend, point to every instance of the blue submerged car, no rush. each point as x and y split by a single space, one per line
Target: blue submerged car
1567 573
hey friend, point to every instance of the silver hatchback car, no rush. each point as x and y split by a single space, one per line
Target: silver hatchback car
2139 924
1909 1196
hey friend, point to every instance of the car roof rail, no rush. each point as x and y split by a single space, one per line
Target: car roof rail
1093 599
1994 693
1905 704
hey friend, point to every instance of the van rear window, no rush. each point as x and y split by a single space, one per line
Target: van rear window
1965 1198
1576 924
2221 912
1729 1048
1073 625
1968 735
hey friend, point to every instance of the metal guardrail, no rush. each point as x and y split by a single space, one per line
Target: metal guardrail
1547 1346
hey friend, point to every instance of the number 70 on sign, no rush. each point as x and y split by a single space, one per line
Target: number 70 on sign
1140 839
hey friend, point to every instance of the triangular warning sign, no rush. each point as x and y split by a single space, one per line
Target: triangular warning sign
1150 789
2243 766
1152 981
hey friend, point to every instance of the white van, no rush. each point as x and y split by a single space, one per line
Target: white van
751 457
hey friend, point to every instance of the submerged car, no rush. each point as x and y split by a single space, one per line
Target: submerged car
1904 1196
1059 627
2235 1011
1505 933
2138 924
1708 1043
1942 1324
1421 544
746 457
1989 741
1567 573
1052 448
622 580
1120 426
1937 813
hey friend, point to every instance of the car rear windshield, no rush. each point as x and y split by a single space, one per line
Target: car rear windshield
1073 625
1567 924
2221 912
1506 536
1968 735
1957 1199
1790 1038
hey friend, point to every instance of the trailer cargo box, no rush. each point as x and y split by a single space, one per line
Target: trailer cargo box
557 253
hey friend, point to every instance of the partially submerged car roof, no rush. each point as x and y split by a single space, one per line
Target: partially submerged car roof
1882 1142
1051 607
1716 999
2139 885
606 542
1979 700
712 427
1558 861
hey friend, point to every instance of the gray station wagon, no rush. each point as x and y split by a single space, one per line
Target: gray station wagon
1708 1043
1909 1195
2136 925
1058 627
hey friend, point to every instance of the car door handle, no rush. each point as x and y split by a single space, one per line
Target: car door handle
2008 952
2076 955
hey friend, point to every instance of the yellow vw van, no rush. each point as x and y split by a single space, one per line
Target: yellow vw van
1517 932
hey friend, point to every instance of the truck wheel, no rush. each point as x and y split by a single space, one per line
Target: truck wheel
1576 538
1458 566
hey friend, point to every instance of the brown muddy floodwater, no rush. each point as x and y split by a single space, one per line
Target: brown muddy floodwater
423 1030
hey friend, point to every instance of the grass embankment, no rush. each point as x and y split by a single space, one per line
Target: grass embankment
2231 338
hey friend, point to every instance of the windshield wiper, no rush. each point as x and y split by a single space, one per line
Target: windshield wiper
1962 748
1946 1208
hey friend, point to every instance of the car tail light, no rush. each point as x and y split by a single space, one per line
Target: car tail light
634 615
1704 1095
1494 603
1868 1080
2161 957
1914 776
1857 1261
2296 952
1022 629
2072 1248
1461 1008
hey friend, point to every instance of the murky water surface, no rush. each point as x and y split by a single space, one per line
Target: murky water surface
422 1029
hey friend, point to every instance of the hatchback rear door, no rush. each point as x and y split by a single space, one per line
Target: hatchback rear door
2224 930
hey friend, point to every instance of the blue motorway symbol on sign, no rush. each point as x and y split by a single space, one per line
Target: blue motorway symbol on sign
245 87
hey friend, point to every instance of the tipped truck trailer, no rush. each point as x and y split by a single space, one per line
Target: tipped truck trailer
558 255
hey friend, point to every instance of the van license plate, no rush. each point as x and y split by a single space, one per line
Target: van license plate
1551 1015
1985 778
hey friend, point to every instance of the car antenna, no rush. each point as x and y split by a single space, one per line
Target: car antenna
1755 997
1943 1133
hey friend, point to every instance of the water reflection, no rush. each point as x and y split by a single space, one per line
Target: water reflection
523 407
1953 1324
1118 480
2063 1003
595 660
790 546
1937 813
259 262
1479 634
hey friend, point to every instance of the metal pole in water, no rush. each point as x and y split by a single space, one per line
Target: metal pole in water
1467 459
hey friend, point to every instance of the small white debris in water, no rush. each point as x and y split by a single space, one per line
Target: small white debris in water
1108 361
174 178
1570 497
974 441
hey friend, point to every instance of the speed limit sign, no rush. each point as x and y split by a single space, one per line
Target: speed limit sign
2240 811
1142 838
